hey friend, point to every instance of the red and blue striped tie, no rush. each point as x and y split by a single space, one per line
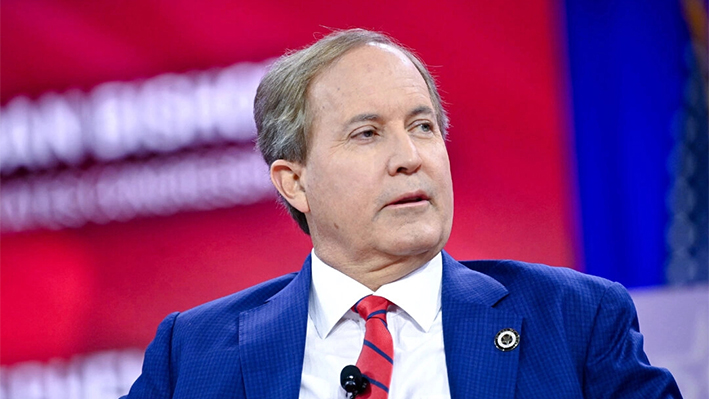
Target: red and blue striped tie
377 357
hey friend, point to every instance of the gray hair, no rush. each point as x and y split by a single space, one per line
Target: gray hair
281 108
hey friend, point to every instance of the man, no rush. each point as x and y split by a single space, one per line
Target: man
354 133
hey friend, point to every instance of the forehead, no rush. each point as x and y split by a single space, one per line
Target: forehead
371 75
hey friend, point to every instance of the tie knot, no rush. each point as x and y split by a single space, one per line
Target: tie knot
372 306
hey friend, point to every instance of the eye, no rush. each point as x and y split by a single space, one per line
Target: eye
366 134
425 126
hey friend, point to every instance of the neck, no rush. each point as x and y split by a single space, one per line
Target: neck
375 271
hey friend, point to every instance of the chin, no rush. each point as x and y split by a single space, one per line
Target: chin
413 244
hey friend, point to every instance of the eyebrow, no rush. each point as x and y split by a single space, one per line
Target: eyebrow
420 110
363 118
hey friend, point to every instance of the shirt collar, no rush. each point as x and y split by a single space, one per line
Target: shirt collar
332 294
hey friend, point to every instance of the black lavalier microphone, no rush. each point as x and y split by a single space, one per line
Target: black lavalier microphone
352 380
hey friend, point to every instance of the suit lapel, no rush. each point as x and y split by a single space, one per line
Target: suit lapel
476 368
272 341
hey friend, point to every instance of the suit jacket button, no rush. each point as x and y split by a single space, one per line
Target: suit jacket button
507 339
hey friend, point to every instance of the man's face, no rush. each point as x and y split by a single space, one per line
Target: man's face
377 176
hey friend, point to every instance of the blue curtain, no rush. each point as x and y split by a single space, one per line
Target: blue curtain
628 70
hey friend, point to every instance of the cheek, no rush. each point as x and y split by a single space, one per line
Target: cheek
332 186
442 175
441 164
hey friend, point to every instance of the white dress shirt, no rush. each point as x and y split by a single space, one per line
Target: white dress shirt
335 333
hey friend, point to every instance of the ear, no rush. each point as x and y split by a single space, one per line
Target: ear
287 177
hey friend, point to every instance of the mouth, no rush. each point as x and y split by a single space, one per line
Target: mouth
414 198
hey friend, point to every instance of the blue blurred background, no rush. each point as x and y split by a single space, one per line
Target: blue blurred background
638 78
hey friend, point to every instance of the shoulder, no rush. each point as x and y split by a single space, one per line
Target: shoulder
557 298
202 341
545 292
510 271
226 309
585 326
542 282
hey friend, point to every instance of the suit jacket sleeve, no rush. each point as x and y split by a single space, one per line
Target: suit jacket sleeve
155 379
616 365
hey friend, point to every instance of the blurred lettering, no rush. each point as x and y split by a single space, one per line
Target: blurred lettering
209 179
116 120
107 374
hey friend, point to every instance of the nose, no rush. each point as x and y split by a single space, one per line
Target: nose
405 157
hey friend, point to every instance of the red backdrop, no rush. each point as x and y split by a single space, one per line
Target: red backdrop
500 70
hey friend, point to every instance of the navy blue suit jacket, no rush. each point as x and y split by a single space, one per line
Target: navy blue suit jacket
579 338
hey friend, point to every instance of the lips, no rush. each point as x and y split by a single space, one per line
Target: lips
410 198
